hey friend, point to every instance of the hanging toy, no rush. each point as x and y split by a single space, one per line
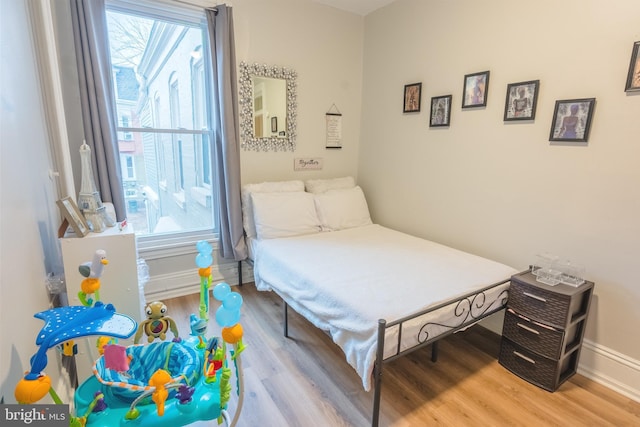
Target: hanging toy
199 329
160 379
185 394
115 357
69 348
214 360
92 271
157 323
204 261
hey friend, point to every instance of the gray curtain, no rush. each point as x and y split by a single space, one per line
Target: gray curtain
99 119
226 150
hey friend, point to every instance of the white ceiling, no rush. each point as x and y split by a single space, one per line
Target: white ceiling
361 7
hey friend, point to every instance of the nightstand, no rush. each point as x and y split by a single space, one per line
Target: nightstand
543 330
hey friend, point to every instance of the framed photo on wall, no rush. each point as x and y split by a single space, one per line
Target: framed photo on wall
73 216
633 77
412 97
440 111
572 120
475 90
521 101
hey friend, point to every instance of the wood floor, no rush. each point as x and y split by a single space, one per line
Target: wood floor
305 380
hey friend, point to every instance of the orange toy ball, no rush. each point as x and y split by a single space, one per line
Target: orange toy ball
232 334
30 391
204 272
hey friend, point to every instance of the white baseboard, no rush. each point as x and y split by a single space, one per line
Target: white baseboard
177 284
611 369
171 285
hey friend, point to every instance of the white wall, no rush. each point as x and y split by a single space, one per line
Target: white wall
324 46
501 189
29 217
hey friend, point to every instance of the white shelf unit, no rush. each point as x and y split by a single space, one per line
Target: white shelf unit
118 283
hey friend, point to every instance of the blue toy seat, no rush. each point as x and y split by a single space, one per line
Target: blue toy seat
182 362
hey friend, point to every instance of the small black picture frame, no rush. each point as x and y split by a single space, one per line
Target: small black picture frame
475 90
521 102
440 111
274 124
633 77
572 120
412 98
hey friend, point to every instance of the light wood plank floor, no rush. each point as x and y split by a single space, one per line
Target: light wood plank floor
305 381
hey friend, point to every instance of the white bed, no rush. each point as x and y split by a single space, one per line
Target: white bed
378 292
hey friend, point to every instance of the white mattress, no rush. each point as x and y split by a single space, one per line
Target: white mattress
251 242
345 281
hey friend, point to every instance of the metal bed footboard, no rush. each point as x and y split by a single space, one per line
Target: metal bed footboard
469 309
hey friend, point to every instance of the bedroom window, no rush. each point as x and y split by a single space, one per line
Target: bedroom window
161 77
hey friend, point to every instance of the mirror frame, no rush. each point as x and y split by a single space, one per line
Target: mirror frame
249 141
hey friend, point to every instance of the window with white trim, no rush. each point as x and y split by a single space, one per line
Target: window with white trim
158 51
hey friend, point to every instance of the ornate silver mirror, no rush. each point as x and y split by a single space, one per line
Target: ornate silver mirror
267 108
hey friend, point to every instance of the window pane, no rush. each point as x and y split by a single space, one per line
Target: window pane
151 56
174 201
159 77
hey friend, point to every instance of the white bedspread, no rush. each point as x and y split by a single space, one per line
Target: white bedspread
344 281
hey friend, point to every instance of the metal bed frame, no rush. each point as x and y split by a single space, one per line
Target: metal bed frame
469 309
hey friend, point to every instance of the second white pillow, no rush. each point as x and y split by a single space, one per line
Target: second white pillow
340 209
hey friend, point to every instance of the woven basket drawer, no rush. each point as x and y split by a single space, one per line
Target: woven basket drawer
544 341
539 304
529 366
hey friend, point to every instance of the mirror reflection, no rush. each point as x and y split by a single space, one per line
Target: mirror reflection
267 108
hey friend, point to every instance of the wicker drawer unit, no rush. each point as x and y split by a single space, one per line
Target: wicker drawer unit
543 330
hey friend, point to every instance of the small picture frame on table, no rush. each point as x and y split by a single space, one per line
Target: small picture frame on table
412 97
274 124
572 120
73 216
440 111
475 90
633 77
521 102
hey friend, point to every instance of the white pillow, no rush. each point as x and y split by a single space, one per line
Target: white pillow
340 209
263 187
284 214
322 185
